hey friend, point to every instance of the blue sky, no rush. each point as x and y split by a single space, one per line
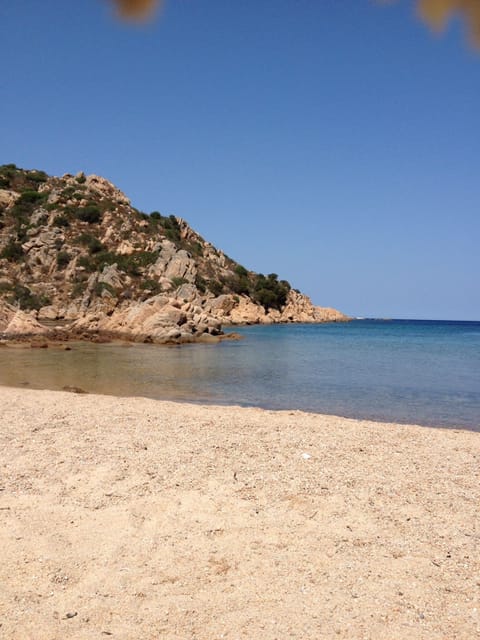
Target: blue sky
334 143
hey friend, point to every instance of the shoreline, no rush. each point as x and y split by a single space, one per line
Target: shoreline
203 403
55 338
150 518
52 335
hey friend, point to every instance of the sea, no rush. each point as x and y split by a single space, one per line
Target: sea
404 371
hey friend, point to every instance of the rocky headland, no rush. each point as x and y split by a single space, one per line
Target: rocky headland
78 261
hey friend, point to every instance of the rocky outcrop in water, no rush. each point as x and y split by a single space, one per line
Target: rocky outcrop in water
73 251
15 323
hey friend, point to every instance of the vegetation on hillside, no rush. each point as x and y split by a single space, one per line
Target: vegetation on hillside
58 232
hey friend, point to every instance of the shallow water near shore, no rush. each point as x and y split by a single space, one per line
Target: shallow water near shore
423 372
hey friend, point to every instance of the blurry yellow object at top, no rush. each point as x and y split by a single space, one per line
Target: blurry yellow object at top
435 12
438 12
138 9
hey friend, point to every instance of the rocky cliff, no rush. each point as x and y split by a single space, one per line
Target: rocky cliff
78 260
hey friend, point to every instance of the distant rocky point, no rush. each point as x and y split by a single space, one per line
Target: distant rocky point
78 261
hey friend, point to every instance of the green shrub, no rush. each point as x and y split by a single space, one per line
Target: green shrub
129 264
68 192
172 235
132 264
26 203
70 210
21 230
61 221
151 285
201 284
171 228
144 258
37 176
241 271
195 248
7 172
78 289
156 215
95 246
177 282
100 287
87 263
8 168
26 299
63 259
91 242
31 197
266 297
81 178
269 292
239 285
12 252
216 287
90 213
106 258
84 239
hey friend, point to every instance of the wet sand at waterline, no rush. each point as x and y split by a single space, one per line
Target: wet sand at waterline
133 518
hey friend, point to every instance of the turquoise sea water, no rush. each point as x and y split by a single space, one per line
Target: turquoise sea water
424 372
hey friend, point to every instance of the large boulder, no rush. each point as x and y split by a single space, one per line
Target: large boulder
7 197
181 265
173 264
111 276
42 249
237 310
17 323
49 312
105 188
299 308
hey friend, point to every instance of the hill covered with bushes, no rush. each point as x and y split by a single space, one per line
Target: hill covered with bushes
74 251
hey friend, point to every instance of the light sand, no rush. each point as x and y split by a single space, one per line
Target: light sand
138 519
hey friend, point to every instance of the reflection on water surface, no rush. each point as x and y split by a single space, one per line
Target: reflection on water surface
421 372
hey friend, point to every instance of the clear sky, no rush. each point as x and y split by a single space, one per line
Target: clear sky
335 143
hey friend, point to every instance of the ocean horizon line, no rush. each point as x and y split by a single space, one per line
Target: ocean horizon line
388 319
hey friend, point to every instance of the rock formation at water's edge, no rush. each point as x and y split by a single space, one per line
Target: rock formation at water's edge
78 261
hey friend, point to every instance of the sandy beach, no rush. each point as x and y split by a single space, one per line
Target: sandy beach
132 518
